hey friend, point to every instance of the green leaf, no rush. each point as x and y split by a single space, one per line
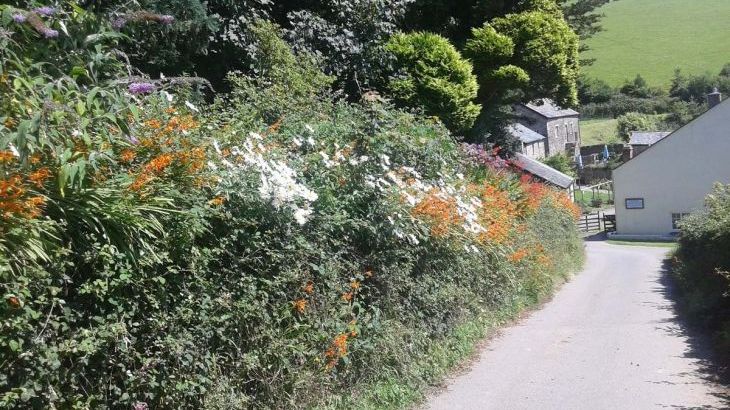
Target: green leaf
80 107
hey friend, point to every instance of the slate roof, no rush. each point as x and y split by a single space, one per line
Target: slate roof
548 109
647 138
543 171
523 133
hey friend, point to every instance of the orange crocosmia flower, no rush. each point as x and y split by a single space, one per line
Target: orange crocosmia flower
518 255
355 285
159 163
39 176
6 156
544 260
337 349
127 155
153 123
300 305
308 288
140 182
217 201
347 296
12 202
441 213
33 206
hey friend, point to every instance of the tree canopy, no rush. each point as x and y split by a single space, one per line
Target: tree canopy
432 74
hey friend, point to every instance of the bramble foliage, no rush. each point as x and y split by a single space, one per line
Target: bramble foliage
430 73
275 247
702 263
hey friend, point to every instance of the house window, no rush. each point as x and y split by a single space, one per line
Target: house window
677 218
570 133
634 203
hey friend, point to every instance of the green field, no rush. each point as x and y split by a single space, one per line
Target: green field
653 37
598 131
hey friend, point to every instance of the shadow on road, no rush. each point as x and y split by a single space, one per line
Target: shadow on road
711 366
596 237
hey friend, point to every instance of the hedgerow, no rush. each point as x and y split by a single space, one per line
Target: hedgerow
276 247
702 263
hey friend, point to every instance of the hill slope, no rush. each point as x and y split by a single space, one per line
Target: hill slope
653 37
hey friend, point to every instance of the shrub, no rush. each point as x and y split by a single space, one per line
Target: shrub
634 121
591 90
702 263
431 74
258 251
562 163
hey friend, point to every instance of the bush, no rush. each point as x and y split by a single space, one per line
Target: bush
562 163
430 73
702 263
591 90
634 121
258 251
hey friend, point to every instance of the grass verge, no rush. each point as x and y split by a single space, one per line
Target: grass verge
656 244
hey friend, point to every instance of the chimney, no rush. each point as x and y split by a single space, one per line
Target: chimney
714 98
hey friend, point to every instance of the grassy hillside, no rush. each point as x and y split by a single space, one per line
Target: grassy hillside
599 131
653 37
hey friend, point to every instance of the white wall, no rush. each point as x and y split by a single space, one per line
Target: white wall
675 174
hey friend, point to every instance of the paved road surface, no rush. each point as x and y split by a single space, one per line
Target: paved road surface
608 340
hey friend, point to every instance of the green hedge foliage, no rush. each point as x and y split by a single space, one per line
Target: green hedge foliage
277 247
702 264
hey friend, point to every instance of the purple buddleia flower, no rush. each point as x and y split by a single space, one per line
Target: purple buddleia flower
19 18
482 155
166 19
119 22
141 88
45 11
140 405
133 139
49 33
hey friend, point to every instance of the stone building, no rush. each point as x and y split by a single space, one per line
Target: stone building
532 144
559 125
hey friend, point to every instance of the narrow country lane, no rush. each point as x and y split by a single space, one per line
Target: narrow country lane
610 339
